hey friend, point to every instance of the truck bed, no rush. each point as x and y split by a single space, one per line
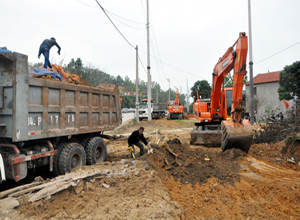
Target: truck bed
32 108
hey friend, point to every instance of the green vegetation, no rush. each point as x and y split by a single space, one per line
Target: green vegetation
185 122
289 82
203 89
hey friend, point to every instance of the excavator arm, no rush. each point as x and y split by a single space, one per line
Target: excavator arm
236 133
231 60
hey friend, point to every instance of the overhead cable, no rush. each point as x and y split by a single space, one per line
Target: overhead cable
114 24
277 53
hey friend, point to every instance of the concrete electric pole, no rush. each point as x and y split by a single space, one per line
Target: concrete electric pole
148 66
137 87
169 88
250 66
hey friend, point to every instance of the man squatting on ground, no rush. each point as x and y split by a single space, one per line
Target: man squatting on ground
45 50
134 139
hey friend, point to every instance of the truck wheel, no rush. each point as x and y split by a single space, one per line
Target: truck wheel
71 157
96 151
85 140
55 170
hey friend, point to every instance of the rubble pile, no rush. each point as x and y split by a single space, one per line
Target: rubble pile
278 130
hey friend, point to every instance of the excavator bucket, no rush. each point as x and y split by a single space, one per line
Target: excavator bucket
237 135
208 138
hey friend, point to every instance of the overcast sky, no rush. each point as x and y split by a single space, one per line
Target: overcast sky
187 37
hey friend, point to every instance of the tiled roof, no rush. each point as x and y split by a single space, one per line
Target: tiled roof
265 78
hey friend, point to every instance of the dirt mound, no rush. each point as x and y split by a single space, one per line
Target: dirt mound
129 191
292 148
195 165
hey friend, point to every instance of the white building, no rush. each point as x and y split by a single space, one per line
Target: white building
266 97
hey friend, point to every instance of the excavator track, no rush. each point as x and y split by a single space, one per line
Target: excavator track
237 135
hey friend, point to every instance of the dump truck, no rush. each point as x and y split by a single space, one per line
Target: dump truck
176 110
50 123
158 110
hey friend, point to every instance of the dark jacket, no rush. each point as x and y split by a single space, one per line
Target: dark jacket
136 137
50 43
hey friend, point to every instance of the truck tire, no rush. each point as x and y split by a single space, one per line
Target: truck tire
71 157
55 170
96 151
85 140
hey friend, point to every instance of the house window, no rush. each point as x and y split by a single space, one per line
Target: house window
254 90
255 105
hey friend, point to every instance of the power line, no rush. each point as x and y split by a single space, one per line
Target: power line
154 52
174 67
124 18
114 24
86 4
153 48
126 24
277 53
110 12
133 46
142 64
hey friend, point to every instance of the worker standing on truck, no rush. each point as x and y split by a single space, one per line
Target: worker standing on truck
134 139
45 50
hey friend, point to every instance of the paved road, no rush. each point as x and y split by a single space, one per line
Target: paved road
127 116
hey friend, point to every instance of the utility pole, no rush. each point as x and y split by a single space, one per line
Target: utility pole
187 95
148 65
137 87
250 65
169 87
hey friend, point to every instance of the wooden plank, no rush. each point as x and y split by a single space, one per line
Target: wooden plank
55 188
19 188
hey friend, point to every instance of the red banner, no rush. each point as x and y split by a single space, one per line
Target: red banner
286 104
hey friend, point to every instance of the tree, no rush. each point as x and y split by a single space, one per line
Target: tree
38 64
119 80
203 89
289 82
228 80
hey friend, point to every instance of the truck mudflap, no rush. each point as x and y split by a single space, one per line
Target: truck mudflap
2 170
208 138
238 135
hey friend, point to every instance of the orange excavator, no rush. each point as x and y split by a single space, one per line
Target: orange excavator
220 119
175 109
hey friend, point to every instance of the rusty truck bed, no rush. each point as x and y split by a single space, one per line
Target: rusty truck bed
32 108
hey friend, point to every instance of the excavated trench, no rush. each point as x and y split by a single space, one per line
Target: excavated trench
195 166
